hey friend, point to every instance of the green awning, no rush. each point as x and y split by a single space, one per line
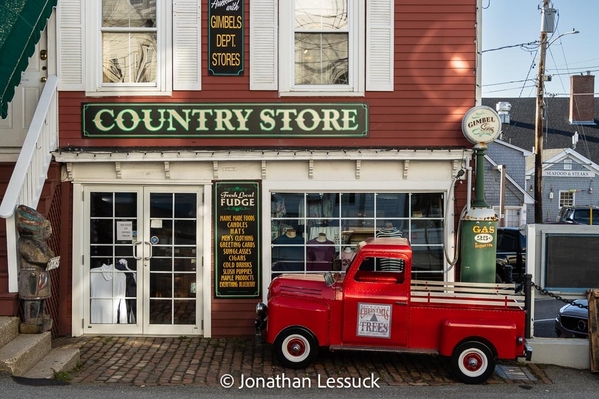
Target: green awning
21 24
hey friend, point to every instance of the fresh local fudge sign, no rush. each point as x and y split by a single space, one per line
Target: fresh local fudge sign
247 120
237 239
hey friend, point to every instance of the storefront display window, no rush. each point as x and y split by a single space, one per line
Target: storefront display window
316 232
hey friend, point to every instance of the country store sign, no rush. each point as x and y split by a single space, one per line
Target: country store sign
247 120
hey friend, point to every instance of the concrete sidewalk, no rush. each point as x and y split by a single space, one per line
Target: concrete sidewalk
207 361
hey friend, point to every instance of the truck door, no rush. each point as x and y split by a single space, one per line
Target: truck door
376 303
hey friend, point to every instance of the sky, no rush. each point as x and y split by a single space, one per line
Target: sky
512 71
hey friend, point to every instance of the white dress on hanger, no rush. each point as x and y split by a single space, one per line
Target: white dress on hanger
107 291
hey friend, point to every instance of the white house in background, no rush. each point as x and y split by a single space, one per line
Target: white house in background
568 179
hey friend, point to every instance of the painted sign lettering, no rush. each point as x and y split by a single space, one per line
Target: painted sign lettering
169 120
237 240
374 320
225 37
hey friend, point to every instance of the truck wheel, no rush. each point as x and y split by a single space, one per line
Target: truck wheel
296 347
472 362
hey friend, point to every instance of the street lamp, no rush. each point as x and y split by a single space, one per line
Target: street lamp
540 109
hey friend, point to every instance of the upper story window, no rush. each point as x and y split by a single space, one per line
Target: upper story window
321 42
129 47
567 164
129 42
321 47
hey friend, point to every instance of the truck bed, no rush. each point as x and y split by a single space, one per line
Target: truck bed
467 294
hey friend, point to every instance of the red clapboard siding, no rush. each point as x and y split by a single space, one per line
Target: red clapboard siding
434 87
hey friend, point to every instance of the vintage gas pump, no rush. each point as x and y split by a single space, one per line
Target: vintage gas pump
480 126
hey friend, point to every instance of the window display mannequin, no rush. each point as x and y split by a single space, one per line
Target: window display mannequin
347 255
288 252
390 264
320 253
389 231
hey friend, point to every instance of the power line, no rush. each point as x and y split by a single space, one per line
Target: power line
535 43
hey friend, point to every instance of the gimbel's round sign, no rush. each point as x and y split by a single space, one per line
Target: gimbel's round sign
481 125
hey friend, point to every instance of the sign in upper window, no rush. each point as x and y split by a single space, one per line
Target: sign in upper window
129 47
129 42
321 42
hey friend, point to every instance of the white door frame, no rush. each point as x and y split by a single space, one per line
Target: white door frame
80 299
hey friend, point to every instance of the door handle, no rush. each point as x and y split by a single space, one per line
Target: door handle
150 251
401 303
134 246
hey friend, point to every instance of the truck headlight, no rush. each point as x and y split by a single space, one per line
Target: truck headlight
261 310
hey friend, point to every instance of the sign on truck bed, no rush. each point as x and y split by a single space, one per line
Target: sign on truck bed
376 306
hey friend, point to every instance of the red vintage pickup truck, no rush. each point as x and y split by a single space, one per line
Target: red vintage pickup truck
376 306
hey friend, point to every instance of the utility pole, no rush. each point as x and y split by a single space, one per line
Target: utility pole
540 114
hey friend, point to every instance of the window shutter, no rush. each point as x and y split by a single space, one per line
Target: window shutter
263 44
379 38
69 45
186 45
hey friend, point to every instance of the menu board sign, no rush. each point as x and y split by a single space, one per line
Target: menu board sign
237 239
225 37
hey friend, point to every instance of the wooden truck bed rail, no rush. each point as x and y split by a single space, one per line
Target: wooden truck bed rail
476 294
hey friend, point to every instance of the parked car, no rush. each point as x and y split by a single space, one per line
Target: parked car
579 214
511 255
573 321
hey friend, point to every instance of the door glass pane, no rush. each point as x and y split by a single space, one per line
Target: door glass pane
185 205
113 270
185 312
161 311
173 227
101 204
161 205
161 285
161 232
185 232
125 204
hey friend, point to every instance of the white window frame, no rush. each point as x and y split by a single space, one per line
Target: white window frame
356 10
566 198
376 57
567 164
94 83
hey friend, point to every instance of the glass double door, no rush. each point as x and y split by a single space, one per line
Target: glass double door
143 260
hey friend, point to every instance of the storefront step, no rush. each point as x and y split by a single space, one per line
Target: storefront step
31 355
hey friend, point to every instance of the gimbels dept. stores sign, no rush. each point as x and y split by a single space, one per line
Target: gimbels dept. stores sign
170 120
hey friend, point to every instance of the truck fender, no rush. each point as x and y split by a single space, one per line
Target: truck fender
311 315
500 337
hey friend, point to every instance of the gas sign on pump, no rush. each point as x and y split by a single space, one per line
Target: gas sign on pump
480 125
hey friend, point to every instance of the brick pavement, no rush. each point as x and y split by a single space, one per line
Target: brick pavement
147 361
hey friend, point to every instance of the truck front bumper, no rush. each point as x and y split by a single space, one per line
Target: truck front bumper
527 351
261 318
